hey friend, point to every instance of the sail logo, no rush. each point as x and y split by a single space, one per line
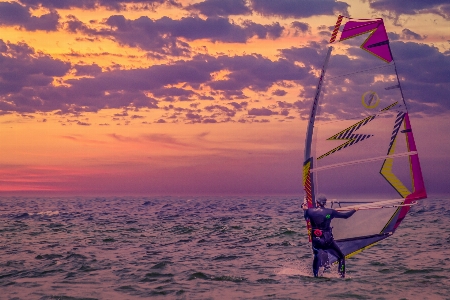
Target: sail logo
370 99
349 135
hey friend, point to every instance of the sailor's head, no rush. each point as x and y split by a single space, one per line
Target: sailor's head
321 200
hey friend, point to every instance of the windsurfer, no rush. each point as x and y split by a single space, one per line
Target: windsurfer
322 237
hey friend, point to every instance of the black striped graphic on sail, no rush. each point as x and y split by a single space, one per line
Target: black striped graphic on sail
398 122
347 134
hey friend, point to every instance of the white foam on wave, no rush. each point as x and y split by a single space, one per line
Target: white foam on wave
304 268
292 271
48 213
296 268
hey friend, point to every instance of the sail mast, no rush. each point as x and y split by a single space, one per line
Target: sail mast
310 129
308 180
399 85
312 116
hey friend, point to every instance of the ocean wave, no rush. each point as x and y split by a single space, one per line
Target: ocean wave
204 248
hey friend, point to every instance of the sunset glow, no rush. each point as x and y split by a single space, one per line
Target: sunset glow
191 97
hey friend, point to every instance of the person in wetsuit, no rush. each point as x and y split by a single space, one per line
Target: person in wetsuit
322 237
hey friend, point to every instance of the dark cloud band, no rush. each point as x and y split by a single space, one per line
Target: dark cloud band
92 4
14 14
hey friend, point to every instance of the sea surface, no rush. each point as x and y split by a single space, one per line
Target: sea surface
205 248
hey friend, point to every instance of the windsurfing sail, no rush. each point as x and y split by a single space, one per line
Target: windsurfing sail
360 148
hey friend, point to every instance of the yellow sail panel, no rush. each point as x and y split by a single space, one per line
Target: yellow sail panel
386 172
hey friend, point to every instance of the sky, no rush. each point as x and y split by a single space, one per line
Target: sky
181 97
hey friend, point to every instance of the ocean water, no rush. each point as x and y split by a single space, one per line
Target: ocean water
205 248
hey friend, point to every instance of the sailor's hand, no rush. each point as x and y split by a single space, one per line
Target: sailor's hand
305 203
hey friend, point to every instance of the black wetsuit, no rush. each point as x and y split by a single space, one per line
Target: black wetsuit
322 237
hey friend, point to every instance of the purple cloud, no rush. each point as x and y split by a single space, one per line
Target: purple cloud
423 69
92 4
426 73
171 92
256 72
393 36
123 88
213 8
261 112
87 70
164 36
284 104
299 8
301 26
439 7
73 25
83 123
22 70
410 35
14 14
220 109
279 92
311 55
239 106
26 81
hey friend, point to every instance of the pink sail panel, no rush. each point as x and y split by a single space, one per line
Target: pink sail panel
419 191
419 185
377 43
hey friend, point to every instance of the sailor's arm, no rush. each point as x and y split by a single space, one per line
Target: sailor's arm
305 214
343 215
305 208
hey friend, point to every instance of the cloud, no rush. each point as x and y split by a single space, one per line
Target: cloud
410 35
311 54
14 14
217 114
26 81
137 117
256 72
212 8
413 7
171 92
193 116
393 36
284 104
239 106
279 92
21 71
261 112
164 139
220 109
426 73
233 94
299 8
301 26
92 4
83 123
73 25
167 36
159 138
87 70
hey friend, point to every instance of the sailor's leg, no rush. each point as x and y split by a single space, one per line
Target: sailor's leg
341 259
316 262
